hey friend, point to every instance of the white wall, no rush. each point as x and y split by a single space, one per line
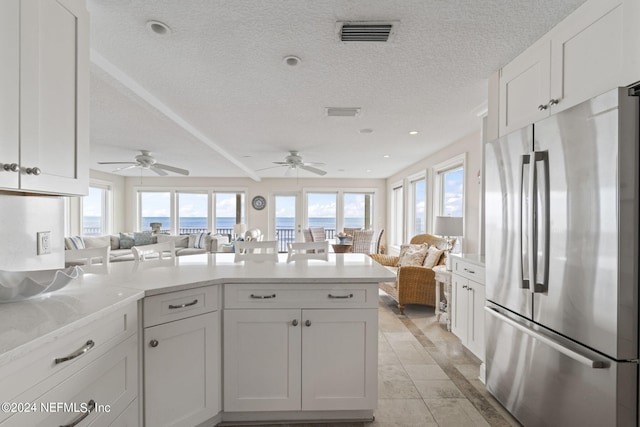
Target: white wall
472 146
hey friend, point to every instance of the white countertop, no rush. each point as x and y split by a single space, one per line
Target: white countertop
29 323
476 259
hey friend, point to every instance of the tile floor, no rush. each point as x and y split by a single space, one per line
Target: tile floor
425 376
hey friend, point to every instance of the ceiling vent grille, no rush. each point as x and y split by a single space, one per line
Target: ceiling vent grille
365 32
342 112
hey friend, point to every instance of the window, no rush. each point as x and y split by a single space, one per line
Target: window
417 204
193 213
357 210
228 210
95 211
155 207
449 189
321 212
188 212
397 216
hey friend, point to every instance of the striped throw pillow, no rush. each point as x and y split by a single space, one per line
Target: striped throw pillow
75 242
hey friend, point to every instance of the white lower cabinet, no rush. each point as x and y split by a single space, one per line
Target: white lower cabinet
182 362
300 359
467 321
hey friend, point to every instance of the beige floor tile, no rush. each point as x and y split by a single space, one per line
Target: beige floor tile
388 358
470 371
438 389
425 372
397 390
455 413
403 412
392 373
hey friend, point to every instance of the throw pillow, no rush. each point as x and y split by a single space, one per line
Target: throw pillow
405 248
433 257
413 257
96 241
126 241
198 240
143 238
72 243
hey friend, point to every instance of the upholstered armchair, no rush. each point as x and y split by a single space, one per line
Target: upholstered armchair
414 285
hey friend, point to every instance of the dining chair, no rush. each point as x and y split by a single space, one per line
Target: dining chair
253 250
362 241
308 250
318 234
164 250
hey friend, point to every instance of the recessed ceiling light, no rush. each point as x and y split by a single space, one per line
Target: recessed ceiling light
291 60
386 156
413 132
366 130
368 171
158 28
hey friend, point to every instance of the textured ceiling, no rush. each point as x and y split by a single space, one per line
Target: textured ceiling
215 97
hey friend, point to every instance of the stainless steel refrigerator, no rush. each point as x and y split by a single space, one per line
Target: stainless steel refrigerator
561 225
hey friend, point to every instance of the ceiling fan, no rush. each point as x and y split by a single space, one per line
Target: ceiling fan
294 162
147 161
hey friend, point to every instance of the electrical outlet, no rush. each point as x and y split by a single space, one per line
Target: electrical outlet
44 242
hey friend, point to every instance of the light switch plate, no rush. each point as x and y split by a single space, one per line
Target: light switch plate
44 242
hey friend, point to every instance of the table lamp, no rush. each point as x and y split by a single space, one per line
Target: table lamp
448 226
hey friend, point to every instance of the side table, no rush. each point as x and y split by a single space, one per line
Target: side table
341 248
443 276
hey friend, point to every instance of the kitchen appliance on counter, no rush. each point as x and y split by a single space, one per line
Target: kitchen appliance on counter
561 266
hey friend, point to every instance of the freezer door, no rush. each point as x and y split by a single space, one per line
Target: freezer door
591 294
545 380
506 210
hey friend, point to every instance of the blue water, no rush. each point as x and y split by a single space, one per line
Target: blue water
228 222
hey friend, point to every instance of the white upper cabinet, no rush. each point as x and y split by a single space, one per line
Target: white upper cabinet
593 50
50 147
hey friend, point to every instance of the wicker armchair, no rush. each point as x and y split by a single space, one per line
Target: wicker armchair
415 285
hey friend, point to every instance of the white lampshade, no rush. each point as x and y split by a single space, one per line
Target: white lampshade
448 226
239 229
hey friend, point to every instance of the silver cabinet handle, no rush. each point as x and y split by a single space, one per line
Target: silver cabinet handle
79 352
91 405
33 171
263 296
295 322
154 343
542 107
307 323
464 286
469 271
553 102
13 167
595 364
173 307
340 296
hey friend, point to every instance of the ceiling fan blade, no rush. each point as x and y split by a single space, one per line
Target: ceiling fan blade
171 168
117 163
158 171
313 164
271 167
124 168
281 163
313 170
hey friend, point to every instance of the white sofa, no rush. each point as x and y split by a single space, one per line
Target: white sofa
184 244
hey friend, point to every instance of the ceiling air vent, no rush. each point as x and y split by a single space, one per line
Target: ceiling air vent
342 112
365 31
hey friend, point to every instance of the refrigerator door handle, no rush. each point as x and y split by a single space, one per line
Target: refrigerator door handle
525 200
541 222
532 242
592 363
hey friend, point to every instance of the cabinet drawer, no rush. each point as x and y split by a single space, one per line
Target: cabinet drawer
290 295
29 377
179 305
468 270
109 383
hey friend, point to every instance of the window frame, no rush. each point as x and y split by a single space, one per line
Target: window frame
439 170
411 203
397 231
106 207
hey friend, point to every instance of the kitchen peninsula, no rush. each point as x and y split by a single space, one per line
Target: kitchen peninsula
299 340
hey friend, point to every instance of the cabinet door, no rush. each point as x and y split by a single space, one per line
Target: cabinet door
475 335
460 315
524 87
262 360
588 53
9 90
339 359
182 371
54 98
